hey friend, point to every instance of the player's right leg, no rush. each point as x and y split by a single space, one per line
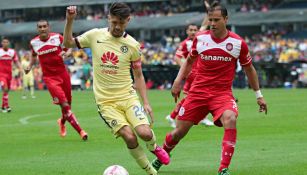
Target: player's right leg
173 138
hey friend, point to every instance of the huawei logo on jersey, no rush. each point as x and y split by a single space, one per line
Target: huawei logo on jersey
109 56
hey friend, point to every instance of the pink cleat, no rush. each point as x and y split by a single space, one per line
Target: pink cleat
62 128
162 155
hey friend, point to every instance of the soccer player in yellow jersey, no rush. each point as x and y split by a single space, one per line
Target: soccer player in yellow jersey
114 54
27 79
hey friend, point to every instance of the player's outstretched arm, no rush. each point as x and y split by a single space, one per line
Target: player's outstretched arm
140 86
71 13
254 83
184 71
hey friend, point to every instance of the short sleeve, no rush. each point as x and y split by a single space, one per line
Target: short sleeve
61 43
84 40
32 50
136 52
245 59
182 51
15 58
194 51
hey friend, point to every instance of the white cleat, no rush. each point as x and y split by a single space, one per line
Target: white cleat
171 121
206 122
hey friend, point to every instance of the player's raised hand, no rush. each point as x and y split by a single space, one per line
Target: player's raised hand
176 88
206 3
262 105
27 69
71 12
148 110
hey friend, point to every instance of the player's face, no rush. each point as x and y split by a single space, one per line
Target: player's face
27 56
117 25
43 29
217 23
191 31
5 43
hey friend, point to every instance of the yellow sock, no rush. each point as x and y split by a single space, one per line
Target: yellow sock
151 144
140 157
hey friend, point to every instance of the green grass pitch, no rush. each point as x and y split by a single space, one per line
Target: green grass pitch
275 144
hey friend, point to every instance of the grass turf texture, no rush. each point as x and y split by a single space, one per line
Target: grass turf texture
267 145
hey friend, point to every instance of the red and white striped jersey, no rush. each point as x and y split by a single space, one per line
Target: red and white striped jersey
48 52
6 59
217 59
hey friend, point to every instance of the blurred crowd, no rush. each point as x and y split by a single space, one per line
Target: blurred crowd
95 12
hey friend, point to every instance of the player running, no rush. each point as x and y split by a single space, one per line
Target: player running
114 54
217 52
48 48
8 56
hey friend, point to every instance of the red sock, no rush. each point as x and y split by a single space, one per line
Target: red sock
169 143
176 110
63 119
70 117
5 100
228 147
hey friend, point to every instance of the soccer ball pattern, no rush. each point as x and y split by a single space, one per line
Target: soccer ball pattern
115 170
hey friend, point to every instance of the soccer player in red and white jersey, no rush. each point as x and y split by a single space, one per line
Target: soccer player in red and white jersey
7 57
48 48
180 56
217 52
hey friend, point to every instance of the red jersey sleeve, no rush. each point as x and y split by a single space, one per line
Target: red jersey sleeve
32 50
61 40
15 58
194 51
245 59
182 51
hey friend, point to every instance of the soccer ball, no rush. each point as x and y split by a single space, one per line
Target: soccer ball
115 170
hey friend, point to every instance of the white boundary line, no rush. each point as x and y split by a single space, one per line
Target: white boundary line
24 120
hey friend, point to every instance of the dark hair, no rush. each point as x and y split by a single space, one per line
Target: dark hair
43 20
191 24
120 10
5 38
217 6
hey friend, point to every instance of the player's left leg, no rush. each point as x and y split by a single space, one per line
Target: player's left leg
225 111
136 116
71 118
147 134
228 119
66 106
5 97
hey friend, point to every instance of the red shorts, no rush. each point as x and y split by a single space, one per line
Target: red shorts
59 87
188 83
195 110
5 81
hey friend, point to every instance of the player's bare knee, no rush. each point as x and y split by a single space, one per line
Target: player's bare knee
144 132
229 120
130 139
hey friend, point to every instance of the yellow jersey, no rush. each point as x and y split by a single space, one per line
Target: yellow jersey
112 59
